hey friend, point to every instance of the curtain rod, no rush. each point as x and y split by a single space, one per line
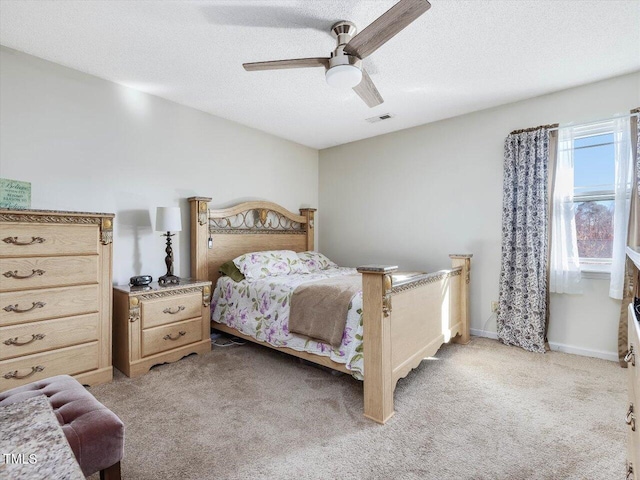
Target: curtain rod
555 126
595 121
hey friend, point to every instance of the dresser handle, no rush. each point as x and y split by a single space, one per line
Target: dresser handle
178 310
17 276
34 337
629 471
14 241
630 419
169 337
14 374
14 308
630 356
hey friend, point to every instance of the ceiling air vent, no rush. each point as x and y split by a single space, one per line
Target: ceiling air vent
379 118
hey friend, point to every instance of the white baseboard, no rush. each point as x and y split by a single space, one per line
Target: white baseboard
561 347
558 347
483 333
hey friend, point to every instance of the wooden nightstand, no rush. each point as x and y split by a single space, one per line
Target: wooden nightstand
159 324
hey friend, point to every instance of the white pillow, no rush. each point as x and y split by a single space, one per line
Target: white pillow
316 261
270 263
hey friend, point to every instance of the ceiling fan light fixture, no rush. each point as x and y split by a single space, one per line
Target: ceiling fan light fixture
344 66
344 76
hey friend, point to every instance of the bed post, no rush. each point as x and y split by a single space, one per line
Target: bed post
199 217
464 261
376 305
309 214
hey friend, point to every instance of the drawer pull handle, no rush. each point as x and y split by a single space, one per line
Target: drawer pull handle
630 356
14 374
17 276
34 337
15 241
630 419
14 308
180 334
177 310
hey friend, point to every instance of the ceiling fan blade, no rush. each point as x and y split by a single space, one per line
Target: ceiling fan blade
293 63
367 91
385 27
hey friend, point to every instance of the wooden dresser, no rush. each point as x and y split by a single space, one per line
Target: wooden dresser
633 359
159 324
55 296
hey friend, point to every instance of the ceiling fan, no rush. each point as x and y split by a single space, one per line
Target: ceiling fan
344 67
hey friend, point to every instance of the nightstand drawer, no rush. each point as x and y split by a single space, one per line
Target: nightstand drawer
25 240
159 324
37 337
40 272
160 339
69 361
172 309
32 305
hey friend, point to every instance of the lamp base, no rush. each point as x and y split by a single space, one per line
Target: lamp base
169 279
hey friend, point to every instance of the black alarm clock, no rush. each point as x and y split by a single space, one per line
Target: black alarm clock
140 281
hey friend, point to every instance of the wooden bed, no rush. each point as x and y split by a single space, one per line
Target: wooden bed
405 319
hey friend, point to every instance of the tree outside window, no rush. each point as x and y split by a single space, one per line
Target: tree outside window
594 173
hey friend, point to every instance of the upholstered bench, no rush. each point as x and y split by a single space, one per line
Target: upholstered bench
95 433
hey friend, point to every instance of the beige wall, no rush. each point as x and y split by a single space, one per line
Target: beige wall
419 194
92 145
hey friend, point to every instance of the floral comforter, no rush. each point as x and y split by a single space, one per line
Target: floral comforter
260 308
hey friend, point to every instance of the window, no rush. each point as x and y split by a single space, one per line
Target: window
591 204
594 195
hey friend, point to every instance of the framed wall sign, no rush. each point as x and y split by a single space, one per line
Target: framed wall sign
15 194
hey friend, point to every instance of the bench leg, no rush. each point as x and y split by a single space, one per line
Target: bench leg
111 473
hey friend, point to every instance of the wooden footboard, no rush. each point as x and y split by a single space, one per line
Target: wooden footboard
406 322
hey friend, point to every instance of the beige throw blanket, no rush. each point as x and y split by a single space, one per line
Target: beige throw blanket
319 309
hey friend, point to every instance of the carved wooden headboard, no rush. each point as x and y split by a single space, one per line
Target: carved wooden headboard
218 236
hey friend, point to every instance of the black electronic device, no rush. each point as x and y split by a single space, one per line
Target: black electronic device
140 281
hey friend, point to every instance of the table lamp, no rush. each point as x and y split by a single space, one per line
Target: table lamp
168 220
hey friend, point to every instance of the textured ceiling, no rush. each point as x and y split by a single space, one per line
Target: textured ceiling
459 57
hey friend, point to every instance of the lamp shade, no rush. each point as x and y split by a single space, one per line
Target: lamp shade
168 219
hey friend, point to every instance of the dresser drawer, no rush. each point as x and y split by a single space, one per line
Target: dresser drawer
37 337
631 387
39 272
167 337
31 305
633 435
25 239
171 309
634 352
631 453
69 360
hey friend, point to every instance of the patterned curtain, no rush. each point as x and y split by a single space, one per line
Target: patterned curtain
633 238
525 240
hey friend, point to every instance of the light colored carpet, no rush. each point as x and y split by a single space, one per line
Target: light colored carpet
480 411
